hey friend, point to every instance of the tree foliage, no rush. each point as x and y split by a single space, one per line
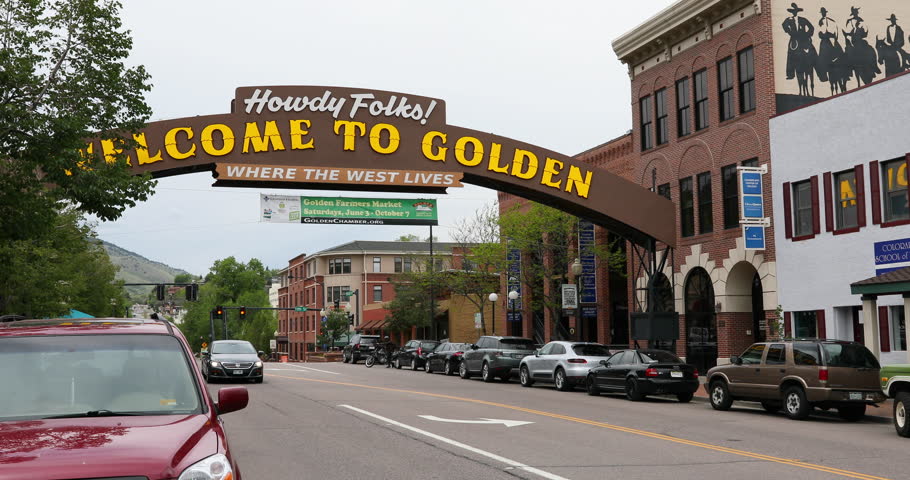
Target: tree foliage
336 326
483 256
413 304
62 80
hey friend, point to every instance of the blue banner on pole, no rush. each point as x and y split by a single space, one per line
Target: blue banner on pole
751 183
586 243
753 207
755 237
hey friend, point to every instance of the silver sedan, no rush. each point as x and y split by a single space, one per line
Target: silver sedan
564 364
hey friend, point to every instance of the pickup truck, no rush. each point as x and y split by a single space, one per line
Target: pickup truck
896 384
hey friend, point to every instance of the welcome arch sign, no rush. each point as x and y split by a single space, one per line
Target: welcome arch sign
335 138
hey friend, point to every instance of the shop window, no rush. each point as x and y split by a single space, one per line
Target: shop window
377 293
683 108
802 209
705 215
845 201
686 208
644 110
746 61
894 190
664 190
730 188
660 105
377 264
725 87
701 99
806 324
898 329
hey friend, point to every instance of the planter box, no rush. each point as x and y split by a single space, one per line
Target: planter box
321 358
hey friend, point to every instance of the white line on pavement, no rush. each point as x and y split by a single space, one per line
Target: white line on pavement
511 463
313 369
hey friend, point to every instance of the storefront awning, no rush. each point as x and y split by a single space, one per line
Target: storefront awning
896 282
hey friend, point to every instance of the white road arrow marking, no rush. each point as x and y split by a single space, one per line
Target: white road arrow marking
482 421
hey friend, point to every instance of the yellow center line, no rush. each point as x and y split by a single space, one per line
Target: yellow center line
634 431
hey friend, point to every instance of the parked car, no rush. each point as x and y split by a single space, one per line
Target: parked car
109 398
494 357
800 375
359 347
644 372
414 353
896 384
564 364
232 360
445 358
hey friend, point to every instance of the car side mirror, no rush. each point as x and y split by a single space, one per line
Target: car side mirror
604 363
736 360
474 346
536 353
231 399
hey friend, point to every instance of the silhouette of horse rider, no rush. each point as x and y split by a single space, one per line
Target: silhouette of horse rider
801 54
831 65
891 48
860 55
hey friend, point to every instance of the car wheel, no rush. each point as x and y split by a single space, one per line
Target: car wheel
770 407
524 377
562 383
396 363
370 361
448 368
720 395
852 413
590 387
463 371
354 359
485 373
413 364
426 367
632 392
901 402
345 358
685 397
795 404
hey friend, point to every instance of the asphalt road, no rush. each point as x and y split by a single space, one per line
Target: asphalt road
347 421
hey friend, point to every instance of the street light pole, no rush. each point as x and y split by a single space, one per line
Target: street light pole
493 299
513 297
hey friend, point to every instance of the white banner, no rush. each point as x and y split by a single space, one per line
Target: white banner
279 208
569 296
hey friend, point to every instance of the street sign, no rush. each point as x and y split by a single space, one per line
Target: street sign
753 208
891 255
299 309
751 183
569 296
273 344
755 237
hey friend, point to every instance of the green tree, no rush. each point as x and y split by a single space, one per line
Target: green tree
336 326
408 238
62 80
483 257
412 305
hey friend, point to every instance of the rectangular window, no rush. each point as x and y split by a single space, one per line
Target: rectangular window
705 216
752 162
407 264
347 266
806 353
746 63
664 190
683 113
894 190
660 105
334 266
802 208
777 355
644 110
686 208
377 293
377 264
898 329
845 206
701 99
725 87
730 187
397 264
806 324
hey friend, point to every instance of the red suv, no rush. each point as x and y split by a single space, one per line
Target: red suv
108 398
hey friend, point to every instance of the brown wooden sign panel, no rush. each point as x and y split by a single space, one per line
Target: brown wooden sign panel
343 129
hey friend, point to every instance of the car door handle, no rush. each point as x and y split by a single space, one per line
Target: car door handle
783 370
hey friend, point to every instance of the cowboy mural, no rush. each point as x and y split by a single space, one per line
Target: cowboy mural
801 54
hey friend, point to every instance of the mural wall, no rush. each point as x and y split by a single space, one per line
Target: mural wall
826 47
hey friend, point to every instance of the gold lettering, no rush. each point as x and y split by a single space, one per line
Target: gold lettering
208 143
551 168
376 138
518 163
460 151
350 129
576 182
110 151
297 134
440 153
142 151
494 166
261 142
170 143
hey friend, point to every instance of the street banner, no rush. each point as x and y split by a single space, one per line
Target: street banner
347 210
569 296
279 208
588 279
754 237
514 284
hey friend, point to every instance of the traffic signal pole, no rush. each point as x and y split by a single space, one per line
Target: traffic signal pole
212 326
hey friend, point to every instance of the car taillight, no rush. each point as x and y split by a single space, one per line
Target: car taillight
577 360
823 374
419 351
695 373
651 372
458 354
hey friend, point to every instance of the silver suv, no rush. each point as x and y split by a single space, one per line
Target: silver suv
564 364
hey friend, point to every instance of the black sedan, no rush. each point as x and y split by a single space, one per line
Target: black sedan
232 360
644 372
445 358
414 353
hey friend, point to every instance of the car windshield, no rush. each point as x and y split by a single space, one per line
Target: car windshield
95 375
591 350
517 343
429 345
851 355
222 348
369 339
659 356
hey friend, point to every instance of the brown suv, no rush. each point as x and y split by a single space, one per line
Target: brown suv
799 375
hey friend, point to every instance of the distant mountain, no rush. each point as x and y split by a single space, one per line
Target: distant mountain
135 268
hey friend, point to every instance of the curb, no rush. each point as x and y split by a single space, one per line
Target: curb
880 414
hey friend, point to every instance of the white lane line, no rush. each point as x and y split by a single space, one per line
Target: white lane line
493 456
313 369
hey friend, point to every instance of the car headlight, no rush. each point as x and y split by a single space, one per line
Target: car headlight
216 467
258 364
215 364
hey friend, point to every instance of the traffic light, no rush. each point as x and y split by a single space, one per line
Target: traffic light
159 291
242 313
351 319
219 312
192 292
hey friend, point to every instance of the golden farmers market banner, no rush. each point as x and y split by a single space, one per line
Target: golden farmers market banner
347 211
335 138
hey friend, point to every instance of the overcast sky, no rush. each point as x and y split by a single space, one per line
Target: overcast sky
536 71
